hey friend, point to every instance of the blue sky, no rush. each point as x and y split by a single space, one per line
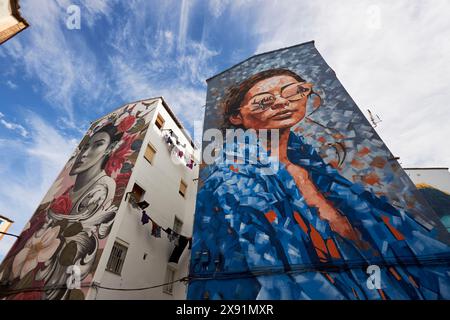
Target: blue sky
392 57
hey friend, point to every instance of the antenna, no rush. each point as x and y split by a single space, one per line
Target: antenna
375 120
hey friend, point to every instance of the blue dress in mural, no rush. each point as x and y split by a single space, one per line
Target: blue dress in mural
256 238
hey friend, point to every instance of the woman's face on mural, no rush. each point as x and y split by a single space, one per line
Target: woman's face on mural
93 151
273 103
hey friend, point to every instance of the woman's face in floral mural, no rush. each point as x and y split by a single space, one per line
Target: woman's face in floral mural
92 153
273 103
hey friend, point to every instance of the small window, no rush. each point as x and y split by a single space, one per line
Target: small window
183 187
150 153
137 192
159 122
117 258
170 277
177 225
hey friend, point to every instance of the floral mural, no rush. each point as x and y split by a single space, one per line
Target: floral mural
71 225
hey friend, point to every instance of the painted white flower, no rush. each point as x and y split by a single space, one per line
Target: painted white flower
37 249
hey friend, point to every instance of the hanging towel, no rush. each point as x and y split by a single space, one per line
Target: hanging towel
178 250
145 218
169 140
172 235
156 230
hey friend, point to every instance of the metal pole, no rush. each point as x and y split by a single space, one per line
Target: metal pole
10 234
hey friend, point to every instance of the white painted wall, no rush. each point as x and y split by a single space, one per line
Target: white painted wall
436 177
161 183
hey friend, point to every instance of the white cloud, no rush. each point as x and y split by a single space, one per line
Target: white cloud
65 66
167 62
217 7
5 244
134 83
28 170
392 57
13 126
11 84
96 9
183 24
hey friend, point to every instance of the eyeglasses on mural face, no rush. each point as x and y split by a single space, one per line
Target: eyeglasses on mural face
291 92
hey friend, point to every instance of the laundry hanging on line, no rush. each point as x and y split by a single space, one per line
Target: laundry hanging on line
172 236
190 164
156 230
145 218
178 250
180 241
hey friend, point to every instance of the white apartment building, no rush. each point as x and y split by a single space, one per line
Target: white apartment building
438 177
118 212
170 189
434 185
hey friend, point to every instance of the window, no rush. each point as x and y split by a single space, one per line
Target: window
150 153
117 258
137 192
170 277
183 187
177 225
159 122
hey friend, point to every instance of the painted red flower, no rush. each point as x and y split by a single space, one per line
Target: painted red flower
125 147
114 164
117 158
122 179
121 184
31 295
126 123
62 204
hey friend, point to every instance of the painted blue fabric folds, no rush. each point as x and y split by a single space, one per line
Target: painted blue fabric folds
256 238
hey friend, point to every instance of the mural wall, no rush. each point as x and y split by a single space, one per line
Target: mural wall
439 200
71 225
434 185
337 204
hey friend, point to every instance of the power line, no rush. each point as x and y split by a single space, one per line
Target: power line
264 271
184 279
87 285
334 266
10 234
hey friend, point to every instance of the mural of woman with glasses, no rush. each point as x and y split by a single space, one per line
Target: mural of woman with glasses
305 232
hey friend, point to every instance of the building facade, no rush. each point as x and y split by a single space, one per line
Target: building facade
120 209
434 185
5 224
11 22
318 208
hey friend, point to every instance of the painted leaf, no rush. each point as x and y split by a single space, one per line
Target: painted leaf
68 254
73 229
